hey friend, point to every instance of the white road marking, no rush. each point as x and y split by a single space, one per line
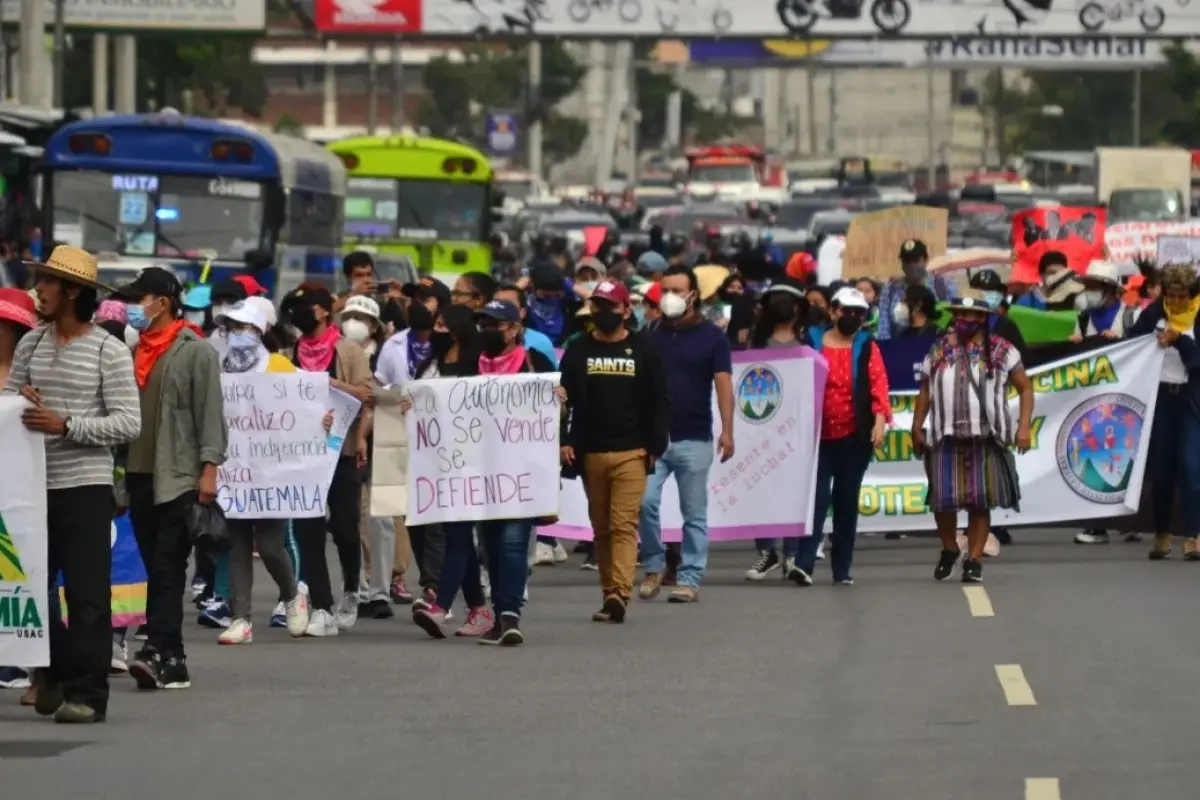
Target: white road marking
978 601
1016 688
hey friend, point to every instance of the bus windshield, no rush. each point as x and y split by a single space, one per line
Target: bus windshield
172 216
409 209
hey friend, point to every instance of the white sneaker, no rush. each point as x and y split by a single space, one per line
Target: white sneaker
297 614
240 631
560 553
347 611
1092 536
525 596
821 549
120 659
321 623
543 555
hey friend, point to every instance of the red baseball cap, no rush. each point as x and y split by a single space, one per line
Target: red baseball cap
654 294
612 291
252 286
17 306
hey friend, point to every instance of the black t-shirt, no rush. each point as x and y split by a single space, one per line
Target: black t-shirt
614 422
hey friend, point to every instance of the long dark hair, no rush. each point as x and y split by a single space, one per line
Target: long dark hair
460 321
769 319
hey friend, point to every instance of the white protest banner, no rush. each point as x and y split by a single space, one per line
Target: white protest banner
24 596
1129 240
1177 250
1091 432
766 490
277 465
345 410
483 448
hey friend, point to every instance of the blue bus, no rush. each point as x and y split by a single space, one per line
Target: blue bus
211 199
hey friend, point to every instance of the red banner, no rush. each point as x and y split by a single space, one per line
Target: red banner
368 16
1077 233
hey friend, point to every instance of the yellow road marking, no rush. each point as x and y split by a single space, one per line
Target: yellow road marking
1042 789
978 601
1016 688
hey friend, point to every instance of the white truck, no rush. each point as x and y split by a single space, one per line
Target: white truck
1144 184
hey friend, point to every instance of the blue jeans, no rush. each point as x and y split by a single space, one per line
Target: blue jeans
506 544
791 545
460 569
841 465
689 462
1175 460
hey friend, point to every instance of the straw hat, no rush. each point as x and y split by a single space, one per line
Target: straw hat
970 300
710 277
75 265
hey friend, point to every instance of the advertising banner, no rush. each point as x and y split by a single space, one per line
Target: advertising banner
500 129
1129 240
483 448
767 488
1075 232
24 584
1018 52
1091 431
769 19
874 239
278 465
153 15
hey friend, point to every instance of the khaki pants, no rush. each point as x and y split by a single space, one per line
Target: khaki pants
403 555
615 483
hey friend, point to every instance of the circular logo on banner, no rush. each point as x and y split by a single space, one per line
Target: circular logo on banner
759 394
1097 445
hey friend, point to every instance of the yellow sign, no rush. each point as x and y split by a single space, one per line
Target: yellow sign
874 239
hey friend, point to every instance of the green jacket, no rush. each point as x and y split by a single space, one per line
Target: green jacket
191 422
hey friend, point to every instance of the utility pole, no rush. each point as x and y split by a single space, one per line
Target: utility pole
60 51
931 144
372 89
1137 108
534 103
31 75
397 87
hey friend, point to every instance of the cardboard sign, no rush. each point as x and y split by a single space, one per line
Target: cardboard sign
1177 250
873 241
1076 232
483 448
278 461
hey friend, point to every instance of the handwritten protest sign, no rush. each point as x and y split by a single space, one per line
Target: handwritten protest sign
483 448
345 410
873 241
1129 240
278 449
1174 249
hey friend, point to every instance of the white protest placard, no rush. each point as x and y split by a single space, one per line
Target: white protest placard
483 448
277 464
1178 250
345 410
24 601
1129 240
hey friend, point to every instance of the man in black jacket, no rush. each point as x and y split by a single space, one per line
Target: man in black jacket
618 424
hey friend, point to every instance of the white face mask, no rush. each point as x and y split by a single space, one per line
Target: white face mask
1095 298
194 317
900 315
673 306
589 286
356 330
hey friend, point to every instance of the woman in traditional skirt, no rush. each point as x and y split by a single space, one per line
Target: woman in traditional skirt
965 380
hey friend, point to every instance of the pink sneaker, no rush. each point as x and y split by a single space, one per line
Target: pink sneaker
479 621
431 620
401 596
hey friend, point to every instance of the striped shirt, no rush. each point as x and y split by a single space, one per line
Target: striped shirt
967 401
90 380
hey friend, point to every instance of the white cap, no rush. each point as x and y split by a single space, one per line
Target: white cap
360 304
246 314
266 307
849 297
1103 272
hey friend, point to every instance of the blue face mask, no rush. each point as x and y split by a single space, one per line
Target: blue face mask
135 317
639 314
243 340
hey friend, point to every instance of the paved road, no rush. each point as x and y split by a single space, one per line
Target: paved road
888 690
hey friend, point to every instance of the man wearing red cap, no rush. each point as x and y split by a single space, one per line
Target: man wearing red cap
619 419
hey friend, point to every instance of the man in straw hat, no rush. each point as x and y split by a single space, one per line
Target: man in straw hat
173 464
1100 306
79 382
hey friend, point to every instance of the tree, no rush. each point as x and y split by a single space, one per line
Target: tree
653 90
458 95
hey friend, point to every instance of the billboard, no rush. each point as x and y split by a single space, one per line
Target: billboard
152 15
757 19
500 129
1101 52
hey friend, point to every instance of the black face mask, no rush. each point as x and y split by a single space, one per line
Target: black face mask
305 319
817 316
848 325
441 341
492 342
607 321
419 318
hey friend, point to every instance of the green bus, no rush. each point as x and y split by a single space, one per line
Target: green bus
416 201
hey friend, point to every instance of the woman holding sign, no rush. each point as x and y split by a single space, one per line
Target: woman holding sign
965 380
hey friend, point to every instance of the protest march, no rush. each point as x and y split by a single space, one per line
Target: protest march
631 416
